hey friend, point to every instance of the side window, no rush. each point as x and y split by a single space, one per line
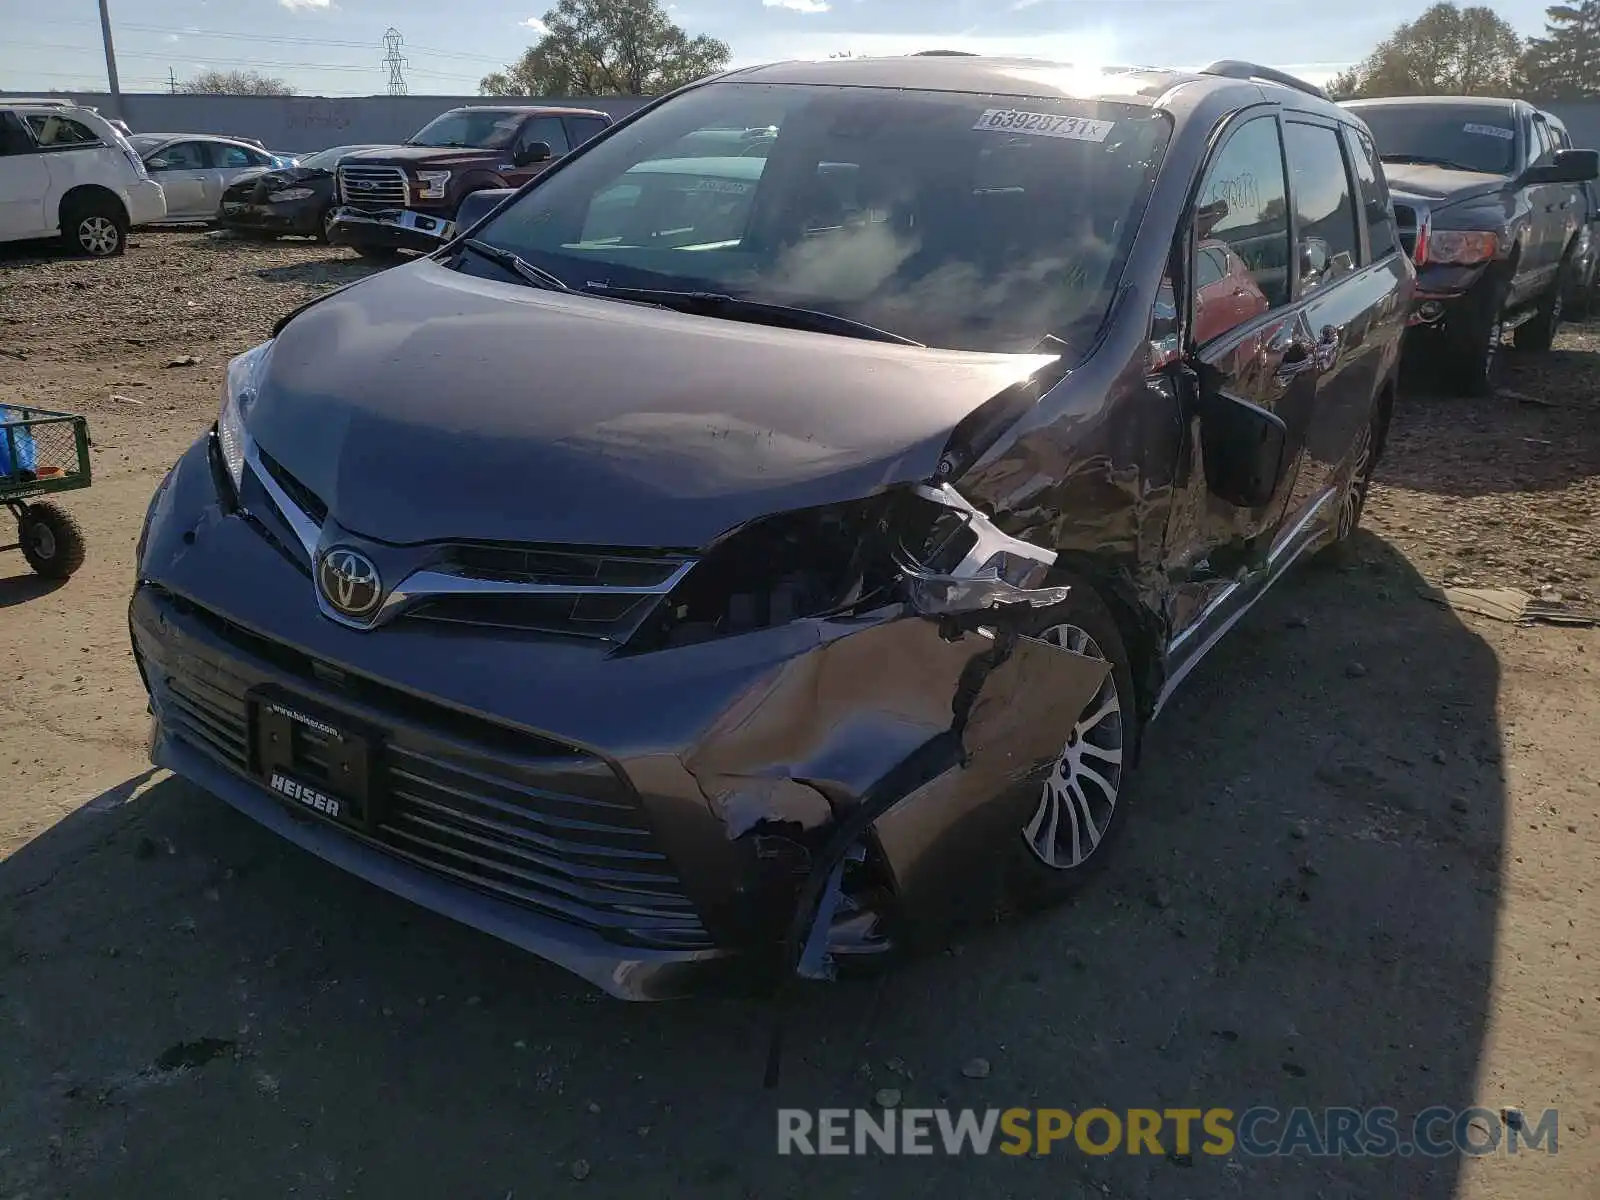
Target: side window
1545 143
583 128
1242 216
1382 237
232 157
180 156
14 137
1324 211
53 131
544 129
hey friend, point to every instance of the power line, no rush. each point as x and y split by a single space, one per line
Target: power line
165 56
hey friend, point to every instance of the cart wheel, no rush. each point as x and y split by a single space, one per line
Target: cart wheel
51 540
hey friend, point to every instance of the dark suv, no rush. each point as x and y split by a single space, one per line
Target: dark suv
715 558
405 197
1491 203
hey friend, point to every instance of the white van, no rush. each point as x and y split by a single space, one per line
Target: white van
65 170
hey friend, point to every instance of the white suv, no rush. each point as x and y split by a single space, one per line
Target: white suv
64 169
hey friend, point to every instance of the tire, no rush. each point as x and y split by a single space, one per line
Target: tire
1353 499
1470 349
94 225
1106 737
52 541
324 232
1538 335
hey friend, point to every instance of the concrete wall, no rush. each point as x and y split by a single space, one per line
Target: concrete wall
303 124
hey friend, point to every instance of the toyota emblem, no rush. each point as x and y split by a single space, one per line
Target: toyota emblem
349 583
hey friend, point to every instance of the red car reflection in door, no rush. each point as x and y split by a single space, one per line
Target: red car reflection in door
1225 293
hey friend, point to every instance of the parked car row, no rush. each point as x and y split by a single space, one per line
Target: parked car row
836 466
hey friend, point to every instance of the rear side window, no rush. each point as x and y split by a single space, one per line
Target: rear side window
1325 213
237 156
1243 207
584 128
51 130
1382 237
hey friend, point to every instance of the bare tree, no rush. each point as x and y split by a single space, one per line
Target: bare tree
608 48
1446 51
234 83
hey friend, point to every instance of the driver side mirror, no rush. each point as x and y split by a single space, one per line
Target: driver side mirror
533 152
156 164
1244 446
1568 166
1313 258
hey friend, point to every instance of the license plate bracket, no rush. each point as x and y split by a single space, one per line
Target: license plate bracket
317 761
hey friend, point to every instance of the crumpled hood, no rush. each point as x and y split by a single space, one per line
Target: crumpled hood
1420 181
426 404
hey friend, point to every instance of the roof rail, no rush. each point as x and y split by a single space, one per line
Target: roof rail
945 54
39 101
1234 68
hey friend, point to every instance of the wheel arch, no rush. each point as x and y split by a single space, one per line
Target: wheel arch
1142 632
87 193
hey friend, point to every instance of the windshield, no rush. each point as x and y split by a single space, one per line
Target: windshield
1475 137
954 219
480 128
145 142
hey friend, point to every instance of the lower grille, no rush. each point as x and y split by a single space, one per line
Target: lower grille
530 821
372 187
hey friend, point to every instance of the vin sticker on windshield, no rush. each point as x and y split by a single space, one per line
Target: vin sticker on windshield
1493 131
1011 120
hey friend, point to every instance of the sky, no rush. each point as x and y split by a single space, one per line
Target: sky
334 47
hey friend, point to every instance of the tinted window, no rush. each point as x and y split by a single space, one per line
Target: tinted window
1474 137
180 156
584 128
940 216
51 130
1382 238
14 139
1243 205
1324 211
547 130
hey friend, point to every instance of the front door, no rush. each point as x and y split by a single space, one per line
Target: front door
183 169
1247 339
548 130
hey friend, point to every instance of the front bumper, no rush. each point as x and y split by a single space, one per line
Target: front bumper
399 229
146 202
643 820
296 216
1441 288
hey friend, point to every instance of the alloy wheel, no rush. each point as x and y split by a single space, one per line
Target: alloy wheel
1079 797
98 235
1355 493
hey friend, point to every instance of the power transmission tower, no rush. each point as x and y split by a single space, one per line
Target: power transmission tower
395 61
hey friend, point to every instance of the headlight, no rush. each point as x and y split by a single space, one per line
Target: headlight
1461 247
294 193
238 394
432 184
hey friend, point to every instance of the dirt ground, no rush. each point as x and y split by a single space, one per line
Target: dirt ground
1364 873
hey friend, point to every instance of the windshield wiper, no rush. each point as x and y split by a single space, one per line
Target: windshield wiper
1426 160
736 308
534 276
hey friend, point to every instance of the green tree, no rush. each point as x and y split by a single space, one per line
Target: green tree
1564 64
235 83
608 48
1447 51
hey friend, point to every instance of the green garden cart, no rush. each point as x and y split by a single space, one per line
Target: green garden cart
42 453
